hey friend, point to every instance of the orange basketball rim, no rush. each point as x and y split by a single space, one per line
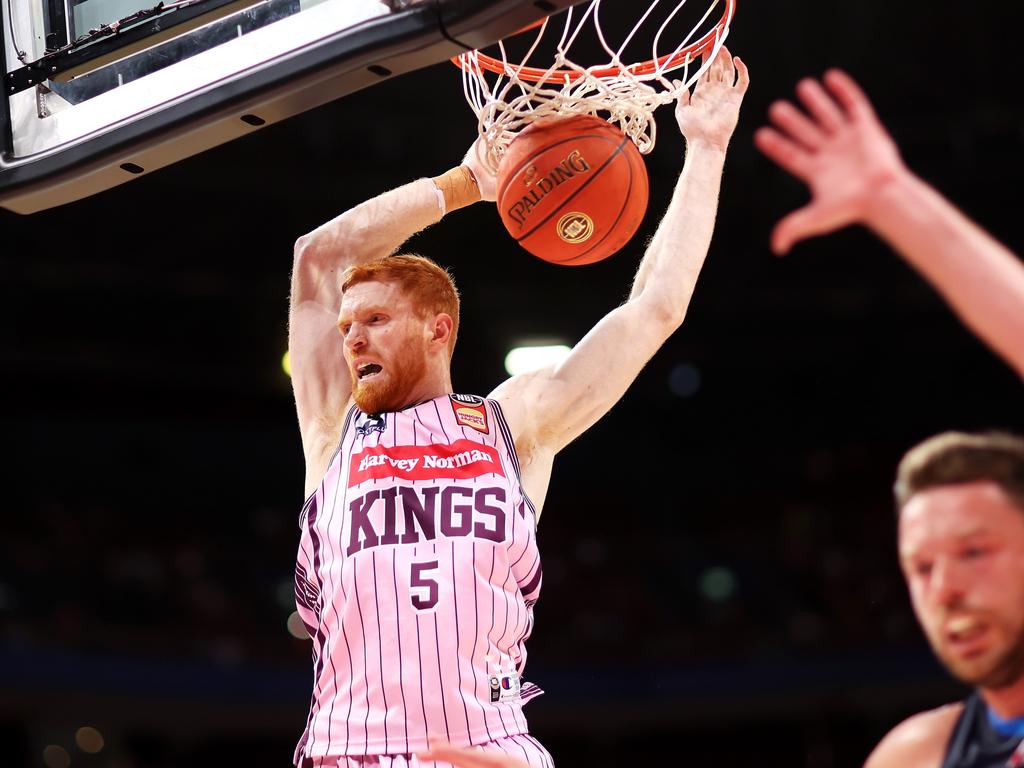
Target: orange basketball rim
666 63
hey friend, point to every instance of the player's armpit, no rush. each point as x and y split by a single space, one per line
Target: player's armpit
918 742
320 379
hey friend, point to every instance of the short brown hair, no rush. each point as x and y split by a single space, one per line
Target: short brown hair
429 286
960 457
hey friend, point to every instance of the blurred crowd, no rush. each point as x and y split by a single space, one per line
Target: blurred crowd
732 577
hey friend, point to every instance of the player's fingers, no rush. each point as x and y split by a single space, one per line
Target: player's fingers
723 62
783 152
796 125
468 757
706 74
453 755
799 225
743 75
682 94
446 752
820 105
682 99
849 94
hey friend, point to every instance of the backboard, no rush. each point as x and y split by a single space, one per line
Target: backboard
97 92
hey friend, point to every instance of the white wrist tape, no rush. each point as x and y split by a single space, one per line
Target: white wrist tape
440 199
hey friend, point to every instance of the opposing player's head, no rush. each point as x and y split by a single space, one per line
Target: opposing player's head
960 499
399 318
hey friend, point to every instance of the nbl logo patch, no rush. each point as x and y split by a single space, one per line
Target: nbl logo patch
470 411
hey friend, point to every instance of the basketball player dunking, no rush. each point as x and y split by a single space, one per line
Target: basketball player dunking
961 542
417 566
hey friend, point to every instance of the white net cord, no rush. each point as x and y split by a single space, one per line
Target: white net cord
627 98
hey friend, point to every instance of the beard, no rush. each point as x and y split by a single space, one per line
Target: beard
1003 670
392 388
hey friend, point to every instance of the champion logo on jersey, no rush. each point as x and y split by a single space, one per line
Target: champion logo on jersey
470 411
371 424
463 459
504 687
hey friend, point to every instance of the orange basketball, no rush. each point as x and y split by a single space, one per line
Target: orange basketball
572 190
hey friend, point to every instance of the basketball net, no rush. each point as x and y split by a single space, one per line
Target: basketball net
506 97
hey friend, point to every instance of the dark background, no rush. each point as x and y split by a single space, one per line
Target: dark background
153 472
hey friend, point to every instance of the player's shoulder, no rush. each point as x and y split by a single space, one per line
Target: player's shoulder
919 741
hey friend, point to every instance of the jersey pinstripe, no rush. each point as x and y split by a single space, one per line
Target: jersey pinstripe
416 576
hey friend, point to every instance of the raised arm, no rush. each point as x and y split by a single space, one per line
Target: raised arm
549 408
371 230
856 176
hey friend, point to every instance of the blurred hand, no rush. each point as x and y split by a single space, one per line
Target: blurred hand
469 757
710 114
486 181
840 150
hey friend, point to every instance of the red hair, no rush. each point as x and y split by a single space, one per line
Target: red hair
428 286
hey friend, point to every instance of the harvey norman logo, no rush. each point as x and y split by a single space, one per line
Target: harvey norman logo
461 460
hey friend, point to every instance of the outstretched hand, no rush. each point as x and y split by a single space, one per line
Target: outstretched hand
469 757
840 150
710 114
486 181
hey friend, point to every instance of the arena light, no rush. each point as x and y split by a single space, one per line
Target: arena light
295 626
89 740
531 357
55 756
684 380
285 594
718 584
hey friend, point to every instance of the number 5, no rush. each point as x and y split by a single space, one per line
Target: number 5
416 581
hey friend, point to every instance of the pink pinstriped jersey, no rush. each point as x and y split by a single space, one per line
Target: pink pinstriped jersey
416 577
